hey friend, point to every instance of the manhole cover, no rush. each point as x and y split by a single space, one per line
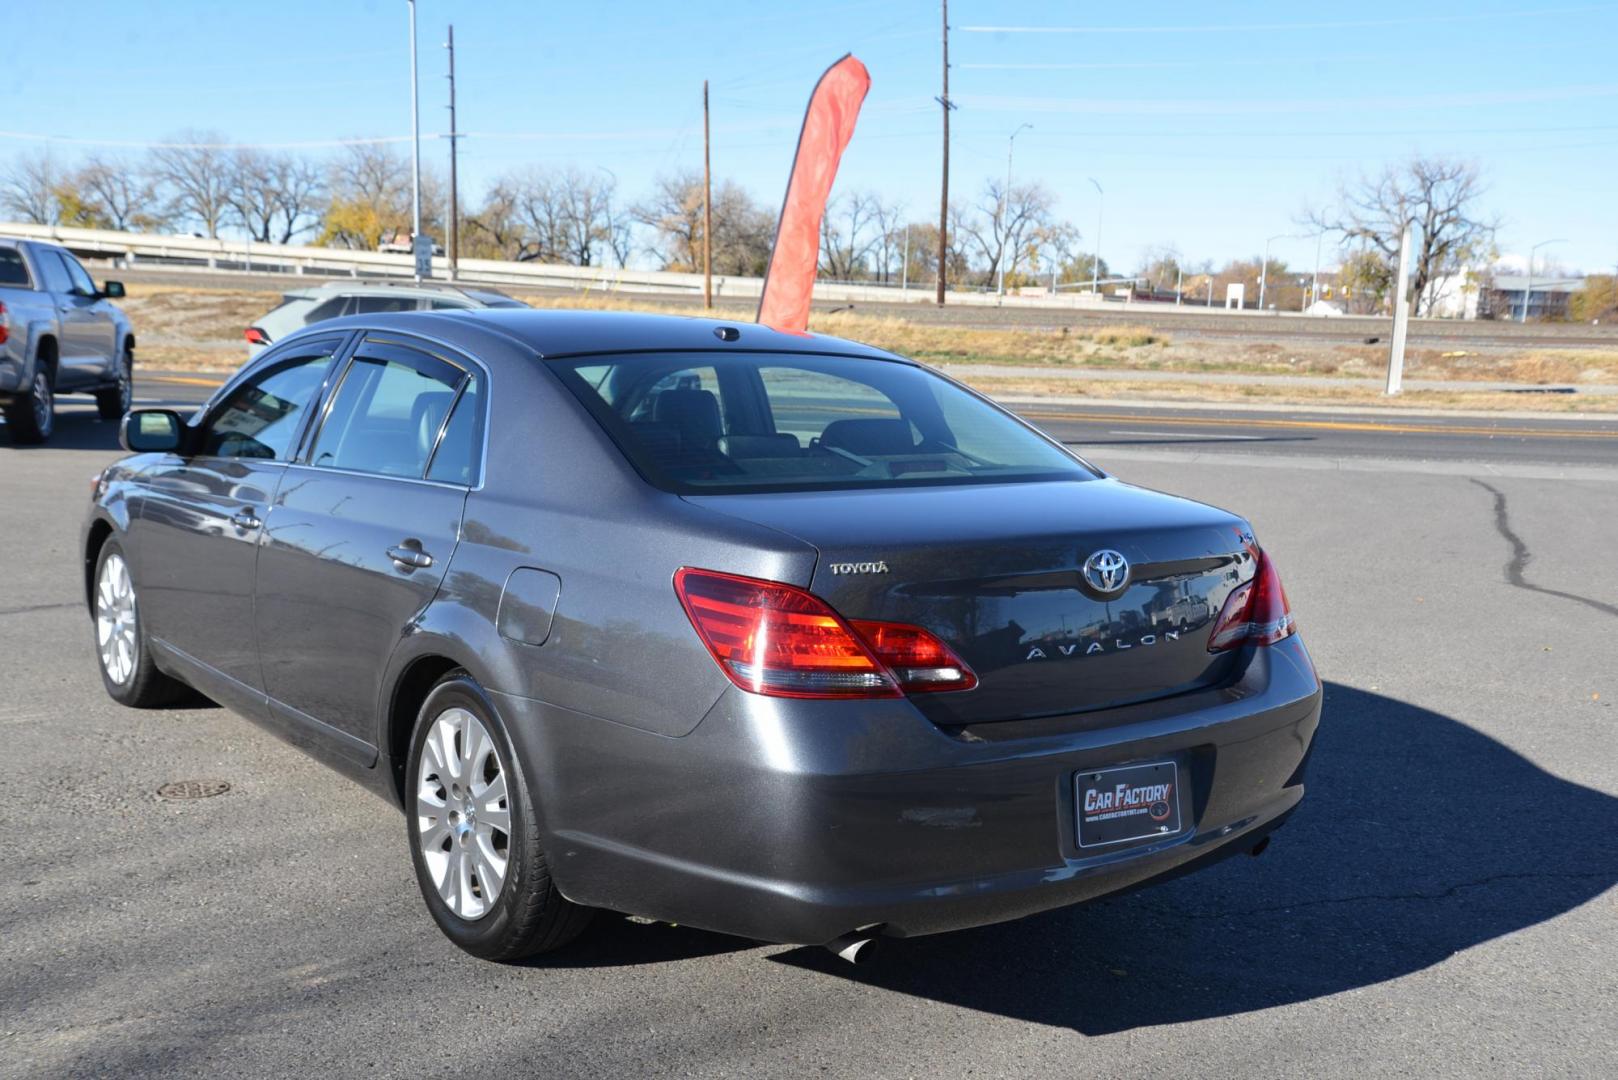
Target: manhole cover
192 789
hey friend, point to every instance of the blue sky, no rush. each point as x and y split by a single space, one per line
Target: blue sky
1209 126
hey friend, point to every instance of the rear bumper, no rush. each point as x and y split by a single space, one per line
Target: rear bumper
799 821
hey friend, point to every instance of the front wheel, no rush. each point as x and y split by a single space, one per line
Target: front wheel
127 670
31 416
474 835
113 401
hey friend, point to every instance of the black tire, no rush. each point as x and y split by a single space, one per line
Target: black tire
529 915
144 686
31 416
113 401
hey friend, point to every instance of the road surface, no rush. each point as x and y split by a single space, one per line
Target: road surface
1443 902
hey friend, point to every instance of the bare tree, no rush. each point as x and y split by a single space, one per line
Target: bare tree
587 218
849 230
1160 266
28 189
1054 245
1004 223
274 196
370 197
924 250
744 231
195 175
1438 196
121 193
888 252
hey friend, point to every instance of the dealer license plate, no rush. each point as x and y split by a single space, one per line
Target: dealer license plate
1130 802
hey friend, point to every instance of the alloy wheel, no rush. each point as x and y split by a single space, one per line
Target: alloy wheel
126 381
463 818
115 620
44 403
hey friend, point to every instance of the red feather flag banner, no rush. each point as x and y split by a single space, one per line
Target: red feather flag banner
827 127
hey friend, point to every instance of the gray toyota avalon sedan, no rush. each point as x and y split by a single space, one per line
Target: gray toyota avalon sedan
768 633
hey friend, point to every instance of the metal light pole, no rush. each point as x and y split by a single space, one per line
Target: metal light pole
1528 293
415 150
1314 282
904 267
612 235
1264 270
454 195
1005 207
1095 261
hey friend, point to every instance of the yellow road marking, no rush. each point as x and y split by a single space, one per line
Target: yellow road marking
1325 425
186 380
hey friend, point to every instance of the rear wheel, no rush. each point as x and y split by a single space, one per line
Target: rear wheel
127 670
474 835
31 416
113 401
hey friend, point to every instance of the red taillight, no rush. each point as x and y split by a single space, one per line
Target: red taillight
5 324
918 660
781 641
1256 613
255 336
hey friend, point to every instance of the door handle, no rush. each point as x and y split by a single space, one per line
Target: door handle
408 556
245 519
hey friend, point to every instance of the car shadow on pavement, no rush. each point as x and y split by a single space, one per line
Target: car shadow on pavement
79 428
76 429
615 940
1419 837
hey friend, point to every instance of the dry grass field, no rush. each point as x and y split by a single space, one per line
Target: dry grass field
201 330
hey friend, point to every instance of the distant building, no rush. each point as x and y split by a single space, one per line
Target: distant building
1504 296
1453 296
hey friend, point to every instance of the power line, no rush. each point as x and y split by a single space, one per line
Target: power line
1200 107
304 144
1245 28
1156 65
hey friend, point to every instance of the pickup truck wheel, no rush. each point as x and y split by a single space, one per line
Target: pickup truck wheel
127 670
114 401
32 416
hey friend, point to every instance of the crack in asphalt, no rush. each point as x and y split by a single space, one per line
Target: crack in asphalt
1520 556
37 607
1445 894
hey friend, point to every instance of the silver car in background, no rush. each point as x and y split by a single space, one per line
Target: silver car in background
334 299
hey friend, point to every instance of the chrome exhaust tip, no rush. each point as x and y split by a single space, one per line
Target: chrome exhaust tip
858 947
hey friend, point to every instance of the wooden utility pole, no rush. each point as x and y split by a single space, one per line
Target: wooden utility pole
707 207
454 200
943 198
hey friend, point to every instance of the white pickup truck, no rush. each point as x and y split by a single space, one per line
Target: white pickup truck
58 335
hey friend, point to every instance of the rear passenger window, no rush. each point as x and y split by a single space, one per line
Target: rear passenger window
13 271
456 460
387 414
371 305
331 309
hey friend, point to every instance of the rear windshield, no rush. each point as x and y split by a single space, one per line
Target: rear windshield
493 298
747 422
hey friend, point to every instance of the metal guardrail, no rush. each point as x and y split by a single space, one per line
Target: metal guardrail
131 249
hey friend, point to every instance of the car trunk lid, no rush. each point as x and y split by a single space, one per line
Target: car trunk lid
997 572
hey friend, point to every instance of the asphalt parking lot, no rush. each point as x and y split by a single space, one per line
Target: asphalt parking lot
1444 901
